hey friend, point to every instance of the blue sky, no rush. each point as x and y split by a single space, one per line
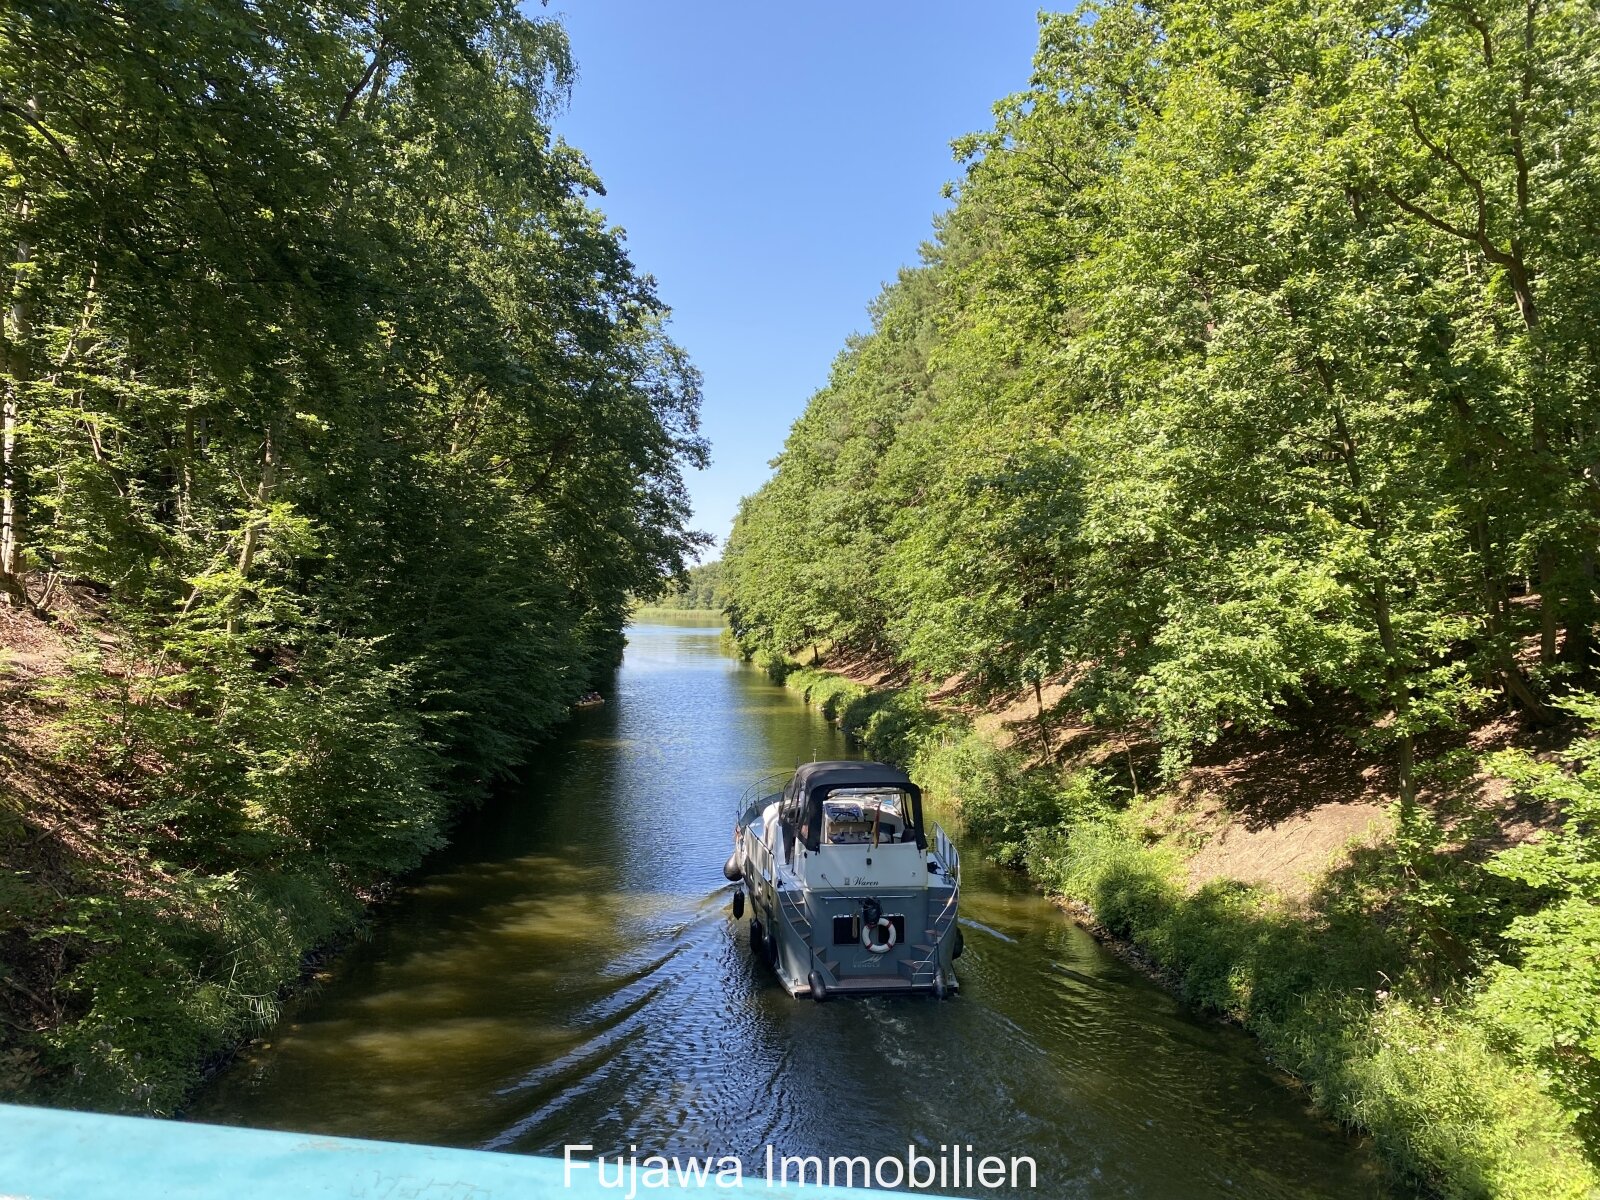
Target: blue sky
773 166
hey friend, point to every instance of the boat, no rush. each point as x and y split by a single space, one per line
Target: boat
589 700
849 890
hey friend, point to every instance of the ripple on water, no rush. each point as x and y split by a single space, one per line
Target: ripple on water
567 972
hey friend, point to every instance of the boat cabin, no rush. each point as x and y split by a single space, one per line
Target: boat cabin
854 822
863 816
848 895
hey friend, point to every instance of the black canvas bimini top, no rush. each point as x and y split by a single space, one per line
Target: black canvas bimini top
803 797
829 775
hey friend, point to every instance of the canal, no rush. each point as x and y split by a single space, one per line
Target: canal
568 971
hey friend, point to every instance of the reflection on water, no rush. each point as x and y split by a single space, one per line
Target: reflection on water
568 972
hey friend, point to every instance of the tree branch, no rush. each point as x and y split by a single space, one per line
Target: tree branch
379 58
1423 214
1443 154
39 127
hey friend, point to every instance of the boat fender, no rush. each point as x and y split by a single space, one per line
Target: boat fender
819 990
731 869
939 986
757 937
961 944
883 928
738 904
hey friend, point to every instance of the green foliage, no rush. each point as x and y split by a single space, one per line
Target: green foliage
894 724
1251 365
700 589
998 800
1545 1002
1250 381
325 379
830 693
1444 1105
180 977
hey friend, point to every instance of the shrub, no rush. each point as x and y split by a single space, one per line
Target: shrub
1544 1006
891 724
998 800
1444 1105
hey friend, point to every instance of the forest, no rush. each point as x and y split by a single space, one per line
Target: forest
1247 387
340 436
699 589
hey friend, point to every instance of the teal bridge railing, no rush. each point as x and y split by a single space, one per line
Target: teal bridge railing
55 1154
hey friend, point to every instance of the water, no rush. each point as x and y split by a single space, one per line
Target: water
569 972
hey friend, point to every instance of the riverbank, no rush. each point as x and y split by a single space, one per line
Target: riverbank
561 971
1348 937
128 978
173 866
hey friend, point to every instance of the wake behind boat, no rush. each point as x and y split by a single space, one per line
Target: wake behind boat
848 892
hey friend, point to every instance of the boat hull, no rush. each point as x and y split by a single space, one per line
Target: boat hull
813 938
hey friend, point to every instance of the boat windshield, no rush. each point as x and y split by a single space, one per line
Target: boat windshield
857 816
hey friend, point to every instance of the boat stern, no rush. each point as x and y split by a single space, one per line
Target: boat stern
871 942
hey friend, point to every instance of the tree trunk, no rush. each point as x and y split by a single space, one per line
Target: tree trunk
1548 564
1578 649
1549 606
1044 728
1399 698
1507 673
252 531
10 507
14 345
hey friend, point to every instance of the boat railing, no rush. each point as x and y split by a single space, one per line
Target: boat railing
922 970
757 854
946 854
761 787
761 855
949 860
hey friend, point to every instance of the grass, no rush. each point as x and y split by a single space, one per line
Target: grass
1370 991
1417 1071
